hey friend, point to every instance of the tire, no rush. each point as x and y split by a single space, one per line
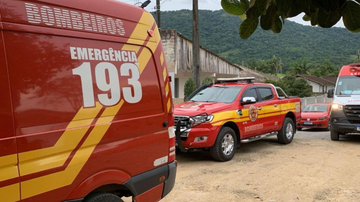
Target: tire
328 126
286 133
334 135
102 197
299 129
225 145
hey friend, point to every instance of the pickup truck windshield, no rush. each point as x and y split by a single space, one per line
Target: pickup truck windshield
225 94
349 85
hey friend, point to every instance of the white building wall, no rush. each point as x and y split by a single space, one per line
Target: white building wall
178 55
316 88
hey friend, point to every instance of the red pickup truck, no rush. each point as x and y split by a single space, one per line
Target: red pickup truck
231 111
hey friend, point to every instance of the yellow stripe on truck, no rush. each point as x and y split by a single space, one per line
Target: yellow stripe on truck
10 193
8 167
139 34
63 178
52 157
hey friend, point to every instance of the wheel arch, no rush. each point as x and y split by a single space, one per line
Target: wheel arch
108 181
292 116
233 126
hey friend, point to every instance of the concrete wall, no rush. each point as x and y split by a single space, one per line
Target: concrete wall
178 54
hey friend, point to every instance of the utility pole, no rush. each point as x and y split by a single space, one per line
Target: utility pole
196 44
158 13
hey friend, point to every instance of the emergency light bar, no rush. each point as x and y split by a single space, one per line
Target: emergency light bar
237 79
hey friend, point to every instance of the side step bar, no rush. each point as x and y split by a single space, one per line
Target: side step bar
258 137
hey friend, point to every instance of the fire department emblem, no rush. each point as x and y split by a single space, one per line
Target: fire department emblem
253 113
308 119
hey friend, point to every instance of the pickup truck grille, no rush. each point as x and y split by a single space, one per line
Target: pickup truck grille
352 111
184 121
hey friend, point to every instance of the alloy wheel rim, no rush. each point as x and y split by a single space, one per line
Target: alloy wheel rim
227 145
289 131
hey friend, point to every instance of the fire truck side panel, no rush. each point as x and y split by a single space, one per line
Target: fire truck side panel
9 177
90 107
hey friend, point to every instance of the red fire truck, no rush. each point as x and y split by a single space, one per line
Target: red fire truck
231 111
86 108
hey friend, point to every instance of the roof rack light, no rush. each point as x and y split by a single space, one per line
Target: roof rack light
237 79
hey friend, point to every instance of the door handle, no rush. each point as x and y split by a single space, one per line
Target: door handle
275 105
259 108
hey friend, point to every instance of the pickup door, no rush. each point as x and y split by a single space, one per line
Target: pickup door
264 114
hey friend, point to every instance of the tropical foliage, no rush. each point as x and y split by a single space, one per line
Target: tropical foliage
293 86
218 33
271 13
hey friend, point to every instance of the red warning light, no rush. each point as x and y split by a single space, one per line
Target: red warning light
150 32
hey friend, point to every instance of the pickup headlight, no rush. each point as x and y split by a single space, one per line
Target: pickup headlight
336 106
323 118
199 119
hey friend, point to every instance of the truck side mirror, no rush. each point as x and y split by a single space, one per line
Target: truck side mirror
330 93
248 100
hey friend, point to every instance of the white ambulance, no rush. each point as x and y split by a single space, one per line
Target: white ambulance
345 112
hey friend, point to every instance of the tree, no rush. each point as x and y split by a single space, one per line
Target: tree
272 13
327 68
301 67
293 86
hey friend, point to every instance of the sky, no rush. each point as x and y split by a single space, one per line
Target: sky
171 5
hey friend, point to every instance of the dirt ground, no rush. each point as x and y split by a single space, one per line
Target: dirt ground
311 168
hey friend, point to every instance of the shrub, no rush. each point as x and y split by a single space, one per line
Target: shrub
189 87
206 80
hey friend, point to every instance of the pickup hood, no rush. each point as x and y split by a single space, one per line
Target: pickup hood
348 100
194 108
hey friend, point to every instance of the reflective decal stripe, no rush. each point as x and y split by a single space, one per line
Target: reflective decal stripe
10 193
66 177
164 74
139 34
266 111
63 178
160 161
8 167
172 148
56 156
162 59
169 105
167 89
171 132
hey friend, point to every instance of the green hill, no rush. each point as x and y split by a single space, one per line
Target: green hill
219 34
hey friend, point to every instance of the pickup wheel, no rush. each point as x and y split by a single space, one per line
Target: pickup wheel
225 145
334 135
102 197
287 131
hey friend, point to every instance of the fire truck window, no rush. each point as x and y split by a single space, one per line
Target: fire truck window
251 93
266 94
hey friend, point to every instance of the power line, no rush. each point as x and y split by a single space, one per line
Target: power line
215 2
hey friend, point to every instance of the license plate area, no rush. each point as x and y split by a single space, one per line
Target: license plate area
307 123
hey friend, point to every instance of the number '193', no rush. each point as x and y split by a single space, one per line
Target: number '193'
103 71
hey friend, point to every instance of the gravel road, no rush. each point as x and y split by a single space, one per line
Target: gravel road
311 168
